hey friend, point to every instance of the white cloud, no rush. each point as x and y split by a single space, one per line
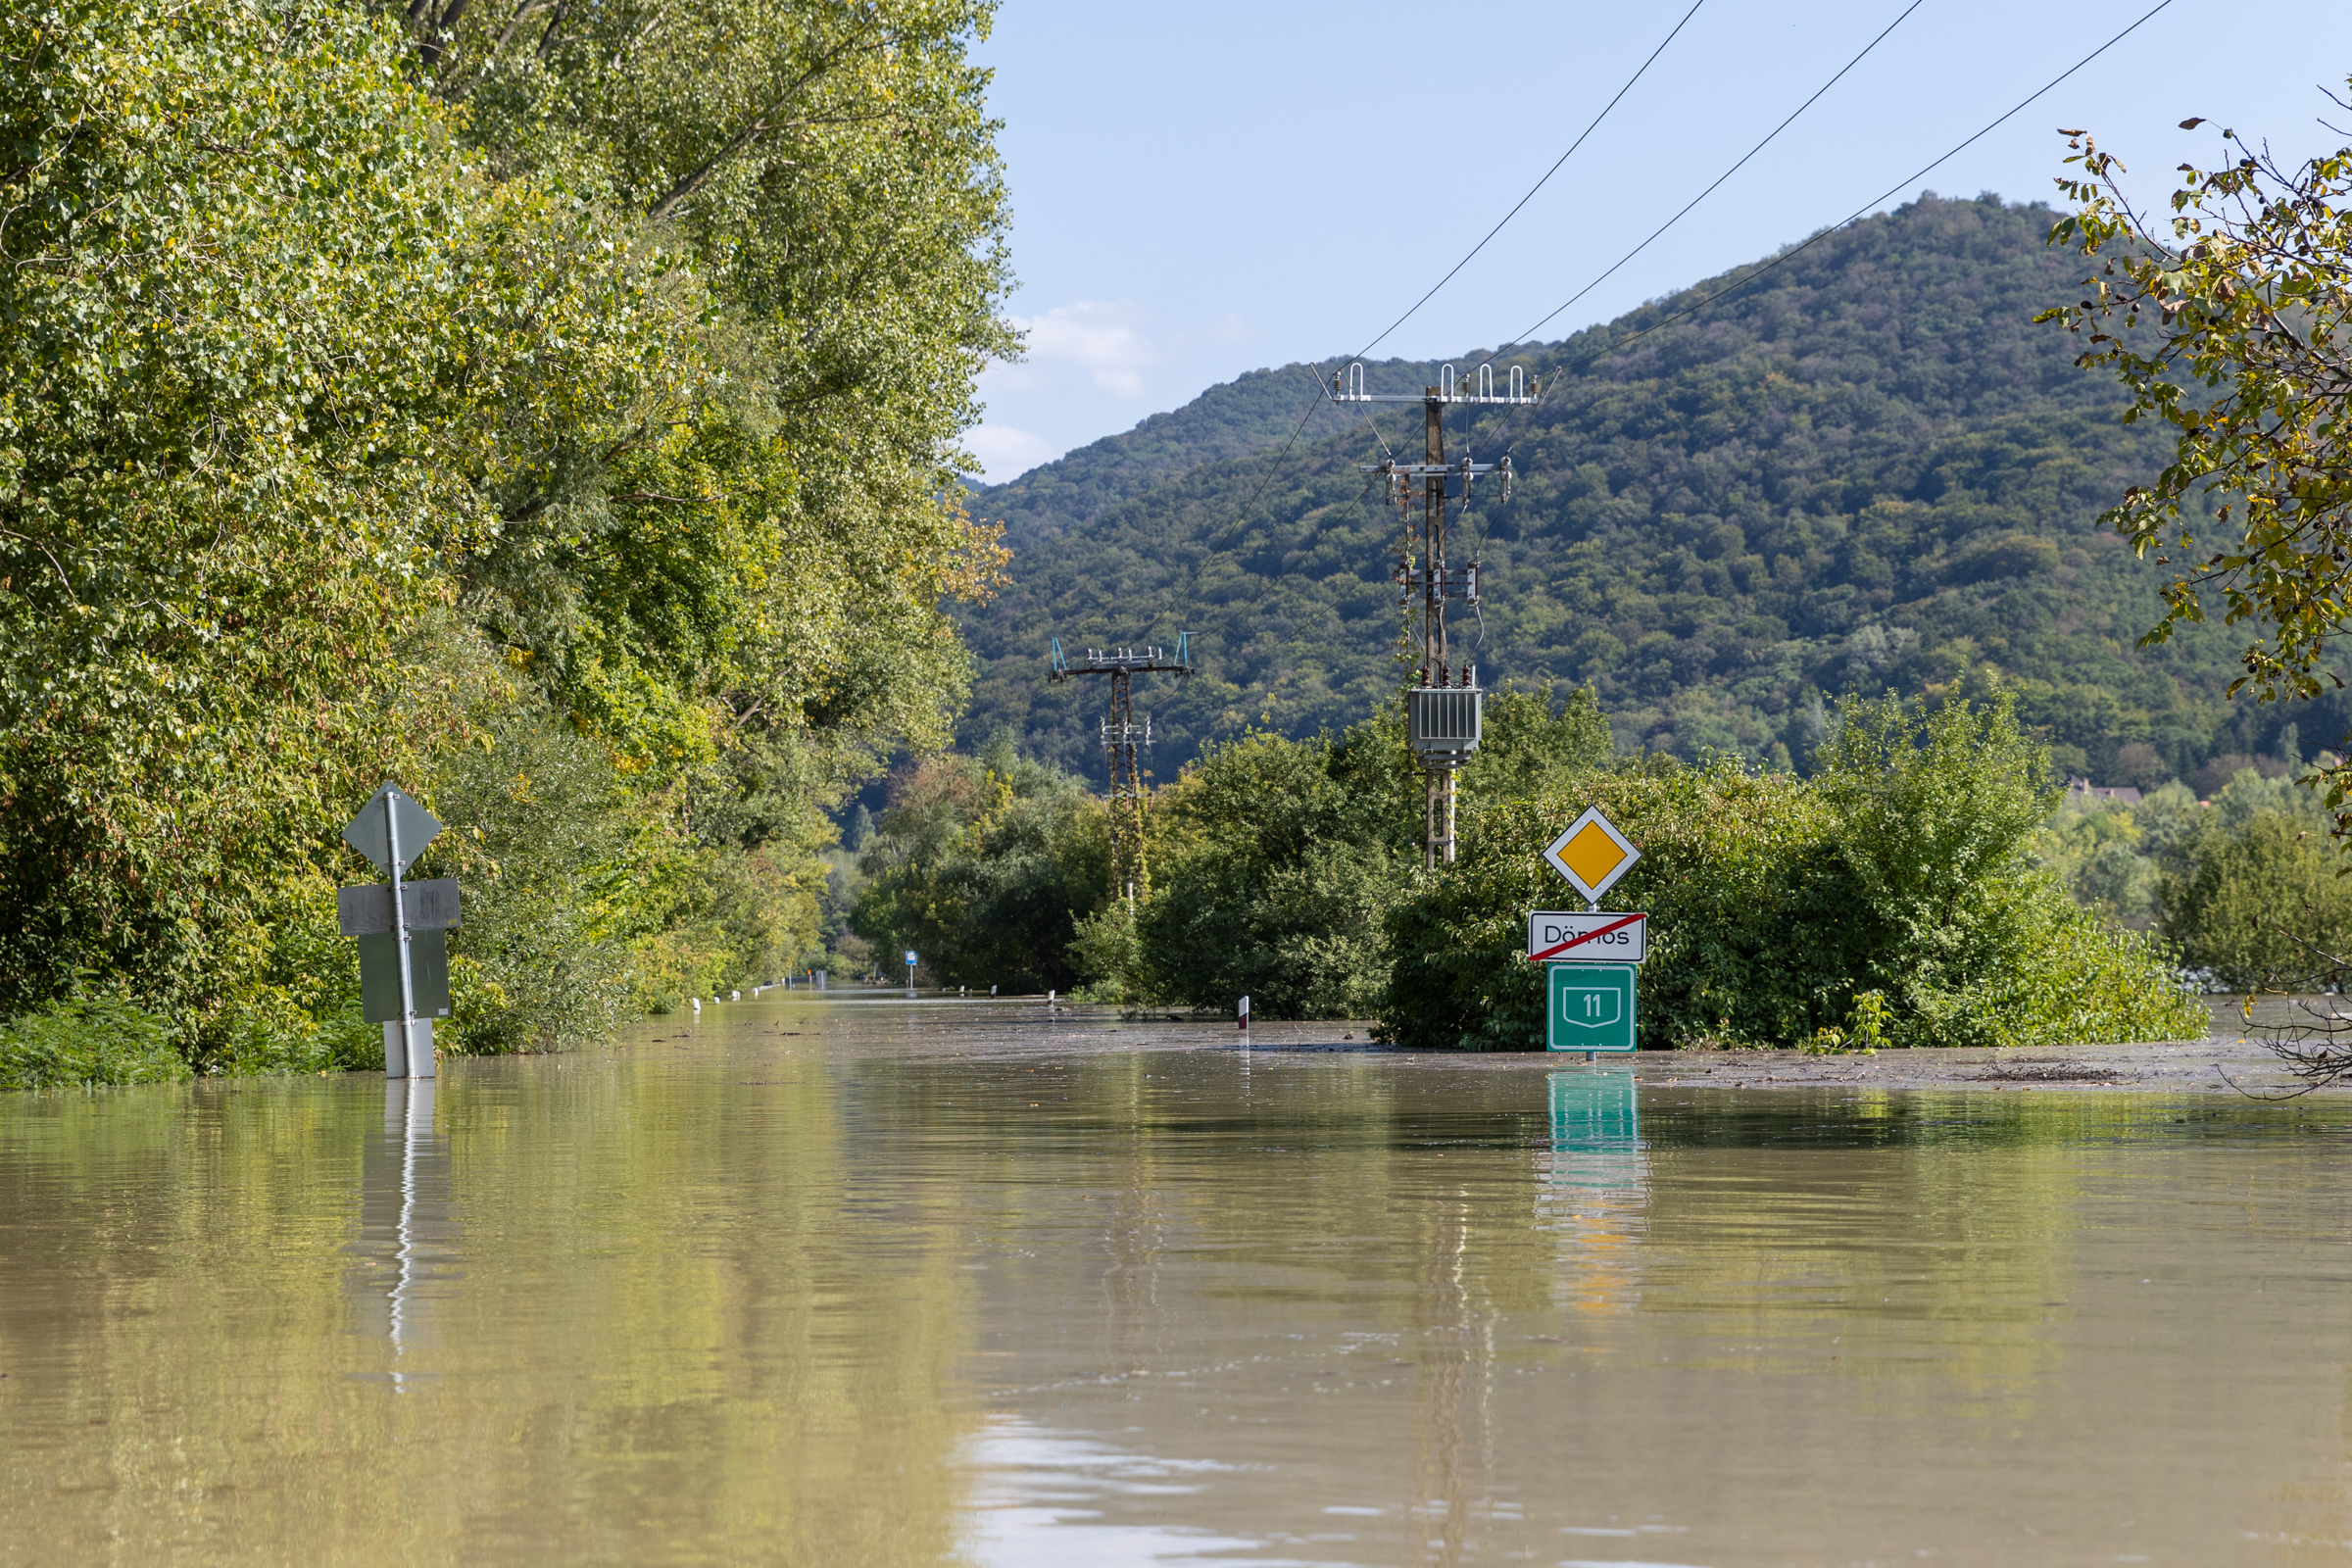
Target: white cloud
1005 452
1100 336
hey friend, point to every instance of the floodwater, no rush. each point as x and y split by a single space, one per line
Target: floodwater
885 1283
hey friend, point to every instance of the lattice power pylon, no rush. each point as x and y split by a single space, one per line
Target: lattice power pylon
1121 736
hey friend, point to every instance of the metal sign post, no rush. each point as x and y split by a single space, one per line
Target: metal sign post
402 928
910 971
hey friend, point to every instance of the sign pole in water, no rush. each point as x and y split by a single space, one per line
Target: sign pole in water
401 927
1589 960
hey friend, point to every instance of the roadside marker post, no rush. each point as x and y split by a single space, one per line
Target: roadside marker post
910 971
1590 959
402 930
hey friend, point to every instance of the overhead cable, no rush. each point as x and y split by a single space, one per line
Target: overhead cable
1537 186
1858 213
1726 175
1275 466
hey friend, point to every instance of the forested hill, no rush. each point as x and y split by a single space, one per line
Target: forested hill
1867 469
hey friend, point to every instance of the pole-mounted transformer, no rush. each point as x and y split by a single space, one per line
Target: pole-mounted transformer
1445 711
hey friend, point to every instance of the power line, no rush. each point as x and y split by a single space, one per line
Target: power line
1858 213
1275 467
1537 186
1726 175
1744 158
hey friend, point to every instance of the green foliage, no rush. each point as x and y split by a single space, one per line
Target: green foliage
72 1045
1279 894
1903 869
985 867
2258 899
2247 295
556 419
1867 470
548 856
1284 857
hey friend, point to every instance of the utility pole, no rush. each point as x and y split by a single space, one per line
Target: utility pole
1121 735
1446 708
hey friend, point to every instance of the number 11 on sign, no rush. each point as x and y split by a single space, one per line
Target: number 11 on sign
1590 1006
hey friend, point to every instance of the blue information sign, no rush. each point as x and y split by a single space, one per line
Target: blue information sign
1590 1006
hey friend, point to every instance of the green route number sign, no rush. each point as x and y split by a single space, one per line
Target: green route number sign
1590 1007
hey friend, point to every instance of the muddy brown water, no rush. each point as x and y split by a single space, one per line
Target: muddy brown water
884 1282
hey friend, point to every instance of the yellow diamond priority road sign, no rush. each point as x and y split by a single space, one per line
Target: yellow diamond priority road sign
1591 854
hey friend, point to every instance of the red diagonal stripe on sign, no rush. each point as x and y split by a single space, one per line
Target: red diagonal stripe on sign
1596 931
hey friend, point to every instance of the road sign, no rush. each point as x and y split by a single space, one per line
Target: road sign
1591 854
1589 1006
366 908
1600 937
428 978
404 948
909 958
367 832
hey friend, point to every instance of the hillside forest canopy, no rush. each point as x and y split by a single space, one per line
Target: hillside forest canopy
1870 470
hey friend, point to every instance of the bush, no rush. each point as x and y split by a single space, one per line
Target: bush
2250 901
1287 868
1286 856
988 867
1901 868
71 1045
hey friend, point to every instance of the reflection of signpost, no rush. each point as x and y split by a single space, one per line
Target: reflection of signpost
403 957
1595 1112
1588 959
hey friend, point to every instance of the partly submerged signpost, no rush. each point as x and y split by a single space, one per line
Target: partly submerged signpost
401 927
1590 959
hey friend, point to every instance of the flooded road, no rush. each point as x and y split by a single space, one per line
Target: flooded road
886 1283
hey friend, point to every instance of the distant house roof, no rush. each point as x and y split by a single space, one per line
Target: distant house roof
2096 792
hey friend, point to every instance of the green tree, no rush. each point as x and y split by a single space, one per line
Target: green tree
262 333
1903 870
985 867
2251 903
2225 321
1285 857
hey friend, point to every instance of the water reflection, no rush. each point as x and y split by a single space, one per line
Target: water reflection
1595 1196
906 1283
409 1241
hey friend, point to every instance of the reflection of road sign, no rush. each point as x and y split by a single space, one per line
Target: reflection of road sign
1595 1112
1591 854
368 908
1599 937
367 832
1590 1006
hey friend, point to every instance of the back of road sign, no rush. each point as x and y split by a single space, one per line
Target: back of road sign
367 832
1589 1006
379 975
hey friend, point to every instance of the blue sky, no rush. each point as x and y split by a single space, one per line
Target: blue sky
1205 190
